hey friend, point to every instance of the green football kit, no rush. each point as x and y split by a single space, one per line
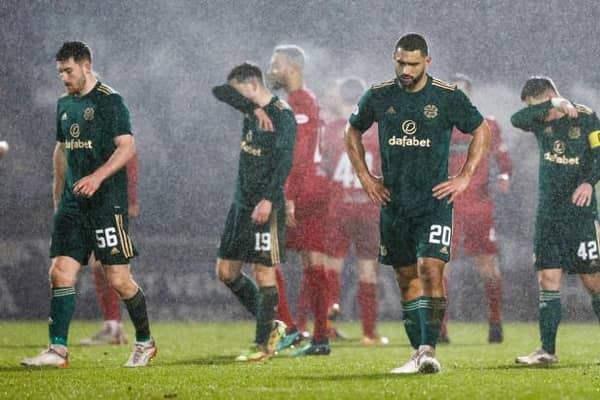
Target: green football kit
265 162
414 139
87 125
566 236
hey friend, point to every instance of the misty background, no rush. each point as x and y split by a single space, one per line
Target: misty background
164 57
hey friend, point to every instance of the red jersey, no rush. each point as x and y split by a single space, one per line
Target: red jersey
478 194
338 168
304 184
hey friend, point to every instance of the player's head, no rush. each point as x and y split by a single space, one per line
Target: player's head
74 65
246 78
287 64
462 81
342 94
538 89
411 58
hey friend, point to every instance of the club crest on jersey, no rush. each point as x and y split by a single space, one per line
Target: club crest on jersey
574 132
559 147
430 111
409 127
88 114
74 130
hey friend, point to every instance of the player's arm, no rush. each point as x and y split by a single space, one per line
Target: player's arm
477 150
284 154
590 169
132 167
59 160
227 94
356 152
125 149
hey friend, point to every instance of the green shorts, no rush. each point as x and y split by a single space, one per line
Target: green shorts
104 232
572 245
404 239
243 240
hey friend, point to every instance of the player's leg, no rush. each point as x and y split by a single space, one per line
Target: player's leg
241 285
110 306
592 284
489 271
333 269
367 300
283 310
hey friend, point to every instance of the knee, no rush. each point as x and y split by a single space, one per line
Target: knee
227 274
61 276
432 276
123 285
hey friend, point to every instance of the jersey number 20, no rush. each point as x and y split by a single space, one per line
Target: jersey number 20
440 234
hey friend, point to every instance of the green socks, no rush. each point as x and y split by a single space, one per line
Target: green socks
550 314
266 308
412 321
246 292
596 304
433 309
136 306
62 306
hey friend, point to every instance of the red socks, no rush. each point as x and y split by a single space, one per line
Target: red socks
283 309
493 290
367 298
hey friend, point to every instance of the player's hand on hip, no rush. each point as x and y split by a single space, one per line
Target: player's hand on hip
290 214
374 187
87 186
582 197
264 122
261 212
452 187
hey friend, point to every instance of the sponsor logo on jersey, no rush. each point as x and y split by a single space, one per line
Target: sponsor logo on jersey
64 117
390 110
558 159
559 147
301 118
574 132
409 127
88 114
248 148
430 111
78 144
74 130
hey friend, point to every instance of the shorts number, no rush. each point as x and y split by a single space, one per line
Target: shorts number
588 251
106 237
440 235
263 241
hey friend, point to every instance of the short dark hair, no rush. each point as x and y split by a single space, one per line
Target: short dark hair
245 71
351 89
412 42
294 52
460 77
78 50
537 85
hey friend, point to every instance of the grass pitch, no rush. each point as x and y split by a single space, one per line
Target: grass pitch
195 360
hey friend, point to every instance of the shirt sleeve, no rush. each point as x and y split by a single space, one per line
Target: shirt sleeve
285 129
59 132
227 94
363 116
590 171
531 118
464 115
118 117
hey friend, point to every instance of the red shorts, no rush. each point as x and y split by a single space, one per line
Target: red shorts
356 225
473 232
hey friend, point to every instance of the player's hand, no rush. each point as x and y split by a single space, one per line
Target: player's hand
87 186
133 210
582 197
261 212
503 185
264 122
290 214
567 108
373 185
452 187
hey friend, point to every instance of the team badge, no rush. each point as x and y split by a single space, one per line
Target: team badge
548 131
74 130
430 111
382 250
559 147
409 127
574 132
64 117
88 114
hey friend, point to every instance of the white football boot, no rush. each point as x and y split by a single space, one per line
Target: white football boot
427 362
409 367
142 354
53 356
538 357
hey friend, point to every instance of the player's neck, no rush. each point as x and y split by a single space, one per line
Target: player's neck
90 84
417 86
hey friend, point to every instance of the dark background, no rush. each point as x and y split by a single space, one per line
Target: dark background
164 57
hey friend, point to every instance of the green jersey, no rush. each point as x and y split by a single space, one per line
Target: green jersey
414 137
569 152
266 157
87 125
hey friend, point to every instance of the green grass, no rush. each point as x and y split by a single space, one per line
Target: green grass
195 360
